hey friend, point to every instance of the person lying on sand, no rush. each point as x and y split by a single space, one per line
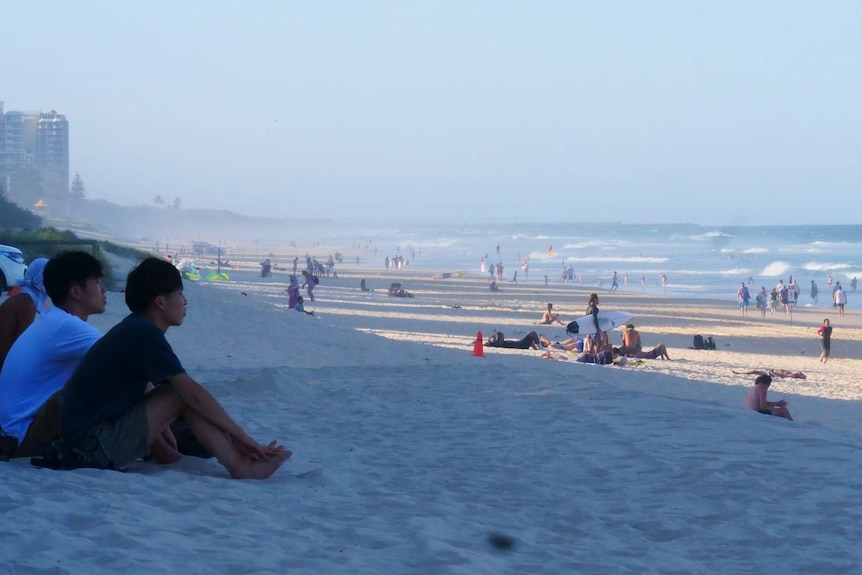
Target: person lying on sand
549 317
755 399
784 373
111 412
566 345
531 340
659 351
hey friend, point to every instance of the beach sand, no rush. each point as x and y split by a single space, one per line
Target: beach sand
413 456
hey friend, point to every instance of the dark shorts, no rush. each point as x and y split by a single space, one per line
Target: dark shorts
651 354
765 411
116 443
45 427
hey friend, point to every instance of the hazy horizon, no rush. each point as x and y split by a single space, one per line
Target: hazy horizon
669 112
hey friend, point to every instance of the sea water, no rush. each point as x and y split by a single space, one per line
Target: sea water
699 262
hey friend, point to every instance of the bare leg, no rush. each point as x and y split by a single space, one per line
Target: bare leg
164 405
162 453
782 412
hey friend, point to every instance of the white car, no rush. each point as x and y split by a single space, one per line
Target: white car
12 267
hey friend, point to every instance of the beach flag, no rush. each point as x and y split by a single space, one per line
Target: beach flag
478 347
550 251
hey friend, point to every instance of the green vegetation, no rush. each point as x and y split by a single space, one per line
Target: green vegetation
13 216
47 242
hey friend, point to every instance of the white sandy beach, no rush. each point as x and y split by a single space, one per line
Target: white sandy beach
409 453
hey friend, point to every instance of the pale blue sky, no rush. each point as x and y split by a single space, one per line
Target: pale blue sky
722 112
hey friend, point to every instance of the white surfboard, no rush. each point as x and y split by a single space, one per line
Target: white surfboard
608 320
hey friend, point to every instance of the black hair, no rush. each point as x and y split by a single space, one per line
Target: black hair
67 269
765 379
150 279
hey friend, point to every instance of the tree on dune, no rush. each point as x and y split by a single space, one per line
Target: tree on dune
77 192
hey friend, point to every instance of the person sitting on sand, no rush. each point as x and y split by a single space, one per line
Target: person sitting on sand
110 417
783 373
631 341
549 317
531 340
47 353
292 292
755 399
493 287
300 307
597 349
20 310
362 285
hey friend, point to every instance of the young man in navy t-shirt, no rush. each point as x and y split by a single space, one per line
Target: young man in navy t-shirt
112 414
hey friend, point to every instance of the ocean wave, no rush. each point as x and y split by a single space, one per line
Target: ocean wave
775 269
620 259
707 236
755 251
817 267
603 244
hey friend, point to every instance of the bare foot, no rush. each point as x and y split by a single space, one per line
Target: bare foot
259 468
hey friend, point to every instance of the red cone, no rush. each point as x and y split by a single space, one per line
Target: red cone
478 347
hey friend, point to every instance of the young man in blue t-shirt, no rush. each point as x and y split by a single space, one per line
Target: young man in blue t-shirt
43 358
112 414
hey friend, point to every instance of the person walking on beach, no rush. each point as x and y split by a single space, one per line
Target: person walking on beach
762 300
755 399
111 411
773 301
614 284
593 310
743 297
840 299
825 332
814 291
310 282
784 295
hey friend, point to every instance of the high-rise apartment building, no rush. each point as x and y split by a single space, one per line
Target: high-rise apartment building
34 154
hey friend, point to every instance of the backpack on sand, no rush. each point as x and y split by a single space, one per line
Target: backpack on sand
709 343
698 342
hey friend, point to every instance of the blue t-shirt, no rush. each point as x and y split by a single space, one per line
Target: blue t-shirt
113 375
40 363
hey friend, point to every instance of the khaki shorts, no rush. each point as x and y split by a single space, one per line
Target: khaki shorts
45 427
122 440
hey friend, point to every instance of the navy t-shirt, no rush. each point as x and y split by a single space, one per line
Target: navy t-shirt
113 375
